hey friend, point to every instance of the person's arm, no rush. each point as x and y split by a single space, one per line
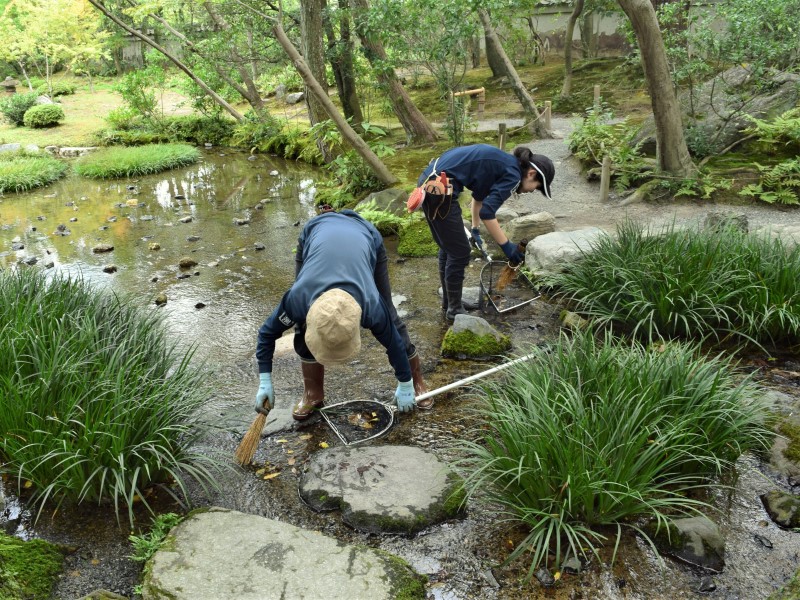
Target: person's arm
494 229
384 330
272 329
475 212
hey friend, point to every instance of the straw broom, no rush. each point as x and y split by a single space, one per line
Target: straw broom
247 447
510 271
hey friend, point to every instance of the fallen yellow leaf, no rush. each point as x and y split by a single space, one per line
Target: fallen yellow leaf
271 476
290 452
291 461
306 436
281 441
323 444
261 472
557 575
95 561
27 484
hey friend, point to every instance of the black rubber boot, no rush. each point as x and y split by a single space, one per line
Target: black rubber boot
445 305
454 304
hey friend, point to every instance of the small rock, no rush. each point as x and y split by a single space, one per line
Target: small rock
707 585
179 197
207 145
146 218
241 221
161 299
183 275
545 578
259 207
101 248
103 227
70 203
110 269
200 305
214 264
84 197
131 188
186 220
193 238
155 246
73 219
31 260
260 246
112 219
763 541
296 223
16 246
154 279
187 263
274 173
251 157
572 565
49 264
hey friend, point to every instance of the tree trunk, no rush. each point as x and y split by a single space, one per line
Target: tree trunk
566 90
672 153
418 129
311 35
341 57
249 92
525 99
475 51
359 145
494 52
153 44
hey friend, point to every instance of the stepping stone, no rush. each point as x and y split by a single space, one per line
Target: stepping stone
222 553
383 489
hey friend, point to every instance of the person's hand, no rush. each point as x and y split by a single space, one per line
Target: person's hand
404 395
265 392
512 253
476 237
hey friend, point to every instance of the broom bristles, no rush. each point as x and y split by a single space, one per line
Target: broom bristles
249 444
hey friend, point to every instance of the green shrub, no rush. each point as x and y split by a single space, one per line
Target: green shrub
140 160
589 435
22 171
714 283
14 107
95 403
59 88
198 130
130 137
255 133
123 118
43 115
146 545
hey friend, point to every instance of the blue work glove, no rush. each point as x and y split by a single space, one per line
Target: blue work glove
476 237
404 396
265 392
513 255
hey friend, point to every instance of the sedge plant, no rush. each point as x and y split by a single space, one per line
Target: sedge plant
22 171
108 163
596 435
96 404
716 283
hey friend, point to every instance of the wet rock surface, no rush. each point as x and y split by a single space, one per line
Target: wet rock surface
382 489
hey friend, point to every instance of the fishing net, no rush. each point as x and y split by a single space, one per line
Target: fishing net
505 289
358 421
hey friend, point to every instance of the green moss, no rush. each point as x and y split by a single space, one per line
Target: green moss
407 584
415 240
791 591
791 432
466 343
28 570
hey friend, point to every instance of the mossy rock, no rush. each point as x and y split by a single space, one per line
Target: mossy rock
466 344
416 240
28 570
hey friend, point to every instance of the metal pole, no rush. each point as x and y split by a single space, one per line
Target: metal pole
472 378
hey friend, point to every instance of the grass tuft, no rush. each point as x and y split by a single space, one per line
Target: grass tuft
23 171
134 161
715 283
594 435
95 404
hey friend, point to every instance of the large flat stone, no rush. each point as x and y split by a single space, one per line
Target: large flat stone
227 554
382 489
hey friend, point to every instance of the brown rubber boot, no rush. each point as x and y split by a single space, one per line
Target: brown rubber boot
313 392
419 383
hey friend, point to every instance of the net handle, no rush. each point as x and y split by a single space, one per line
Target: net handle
472 378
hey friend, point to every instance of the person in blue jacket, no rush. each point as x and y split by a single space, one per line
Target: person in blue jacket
341 284
492 175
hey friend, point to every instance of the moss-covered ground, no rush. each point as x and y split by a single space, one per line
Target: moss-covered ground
28 570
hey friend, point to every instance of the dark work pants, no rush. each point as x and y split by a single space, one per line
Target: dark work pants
385 291
447 228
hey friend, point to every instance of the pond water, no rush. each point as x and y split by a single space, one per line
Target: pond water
219 212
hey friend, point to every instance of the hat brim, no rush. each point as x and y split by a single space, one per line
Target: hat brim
545 189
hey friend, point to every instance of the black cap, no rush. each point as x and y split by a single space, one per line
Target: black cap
546 170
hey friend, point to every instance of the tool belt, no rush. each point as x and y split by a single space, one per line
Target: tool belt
438 194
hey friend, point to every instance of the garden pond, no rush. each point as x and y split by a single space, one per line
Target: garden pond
237 218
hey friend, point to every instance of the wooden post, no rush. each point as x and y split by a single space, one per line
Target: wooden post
481 101
597 97
501 142
605 179
548 109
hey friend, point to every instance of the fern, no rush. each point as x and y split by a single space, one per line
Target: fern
784 129
779 184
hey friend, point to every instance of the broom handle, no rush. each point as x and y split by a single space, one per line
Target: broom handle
472 378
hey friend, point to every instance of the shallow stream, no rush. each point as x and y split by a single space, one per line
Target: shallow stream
219 213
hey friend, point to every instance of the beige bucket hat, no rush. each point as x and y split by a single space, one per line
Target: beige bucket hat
333 327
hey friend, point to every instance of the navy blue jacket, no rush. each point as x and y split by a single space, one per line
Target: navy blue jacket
488 172
337 250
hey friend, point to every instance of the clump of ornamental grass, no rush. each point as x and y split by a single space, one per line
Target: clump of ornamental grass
96 404
23 171
717 283
133 161
595 435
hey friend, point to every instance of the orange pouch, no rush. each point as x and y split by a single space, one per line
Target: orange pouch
415 200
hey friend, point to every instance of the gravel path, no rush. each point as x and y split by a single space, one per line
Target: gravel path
576 201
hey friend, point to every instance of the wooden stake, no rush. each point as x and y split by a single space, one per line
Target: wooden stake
548 110
597 97
501 142
605 179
